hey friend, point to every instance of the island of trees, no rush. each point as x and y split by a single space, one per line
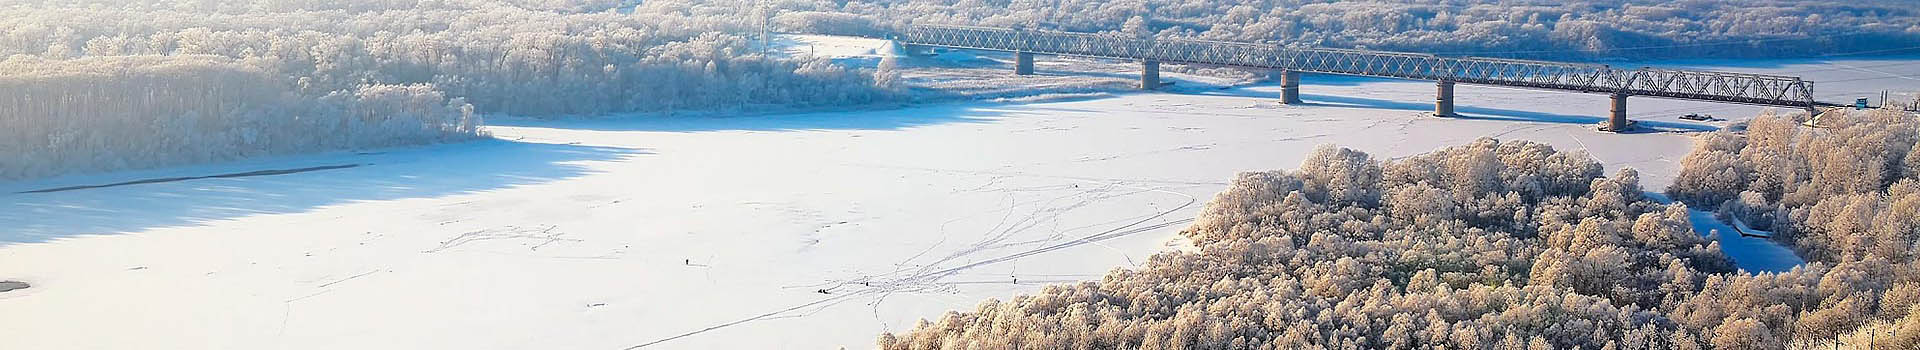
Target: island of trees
1513 245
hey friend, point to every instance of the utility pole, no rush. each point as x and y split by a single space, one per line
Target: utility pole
766 17
1053 16
766 42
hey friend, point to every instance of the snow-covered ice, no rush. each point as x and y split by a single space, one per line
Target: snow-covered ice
833 46
1751 254
712 232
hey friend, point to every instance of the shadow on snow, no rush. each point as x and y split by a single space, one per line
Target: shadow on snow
421 172
874 118
1464 111
1484 113
133 201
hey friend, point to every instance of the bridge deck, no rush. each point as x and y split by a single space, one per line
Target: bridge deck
1757 89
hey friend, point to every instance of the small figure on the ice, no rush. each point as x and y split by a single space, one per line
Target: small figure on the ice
823 291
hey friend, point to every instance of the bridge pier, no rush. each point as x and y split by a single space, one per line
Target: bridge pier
1289 87
1443 100
1617 116
1149 75
1022 63
914 50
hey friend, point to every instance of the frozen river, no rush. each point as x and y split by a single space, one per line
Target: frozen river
814 230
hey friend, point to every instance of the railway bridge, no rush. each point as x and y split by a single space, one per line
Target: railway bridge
1739 88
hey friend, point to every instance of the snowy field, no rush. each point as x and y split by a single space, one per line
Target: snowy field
816 230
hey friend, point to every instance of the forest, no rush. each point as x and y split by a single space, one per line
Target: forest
249 78
1510 245
155 83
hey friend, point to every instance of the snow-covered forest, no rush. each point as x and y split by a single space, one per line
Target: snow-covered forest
1504 245
1846 192
502 57
108 113
116 85
276 60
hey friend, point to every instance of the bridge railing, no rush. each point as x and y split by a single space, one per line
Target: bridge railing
1759 89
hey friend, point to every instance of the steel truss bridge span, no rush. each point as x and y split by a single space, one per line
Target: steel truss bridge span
1740 88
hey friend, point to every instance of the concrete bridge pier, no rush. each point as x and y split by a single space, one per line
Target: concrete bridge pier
1289 87
1022 63
1149 75
914 50
1617 118
1443 100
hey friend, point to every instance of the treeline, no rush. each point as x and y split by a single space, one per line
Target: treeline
1590 29
105 113
1491 245
291 73
501 56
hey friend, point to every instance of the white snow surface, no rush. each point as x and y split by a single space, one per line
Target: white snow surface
699 233
832 46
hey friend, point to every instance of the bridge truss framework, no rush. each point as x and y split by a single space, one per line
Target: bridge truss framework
1741 88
